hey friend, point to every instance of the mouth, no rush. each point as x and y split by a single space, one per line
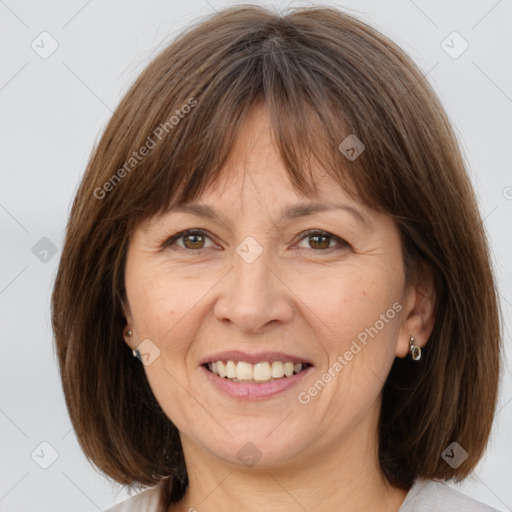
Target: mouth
255 373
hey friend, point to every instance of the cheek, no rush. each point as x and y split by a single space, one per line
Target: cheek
358 320
355 299
161 308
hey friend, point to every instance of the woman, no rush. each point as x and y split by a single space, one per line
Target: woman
278 225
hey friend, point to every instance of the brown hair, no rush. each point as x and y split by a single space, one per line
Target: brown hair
323 75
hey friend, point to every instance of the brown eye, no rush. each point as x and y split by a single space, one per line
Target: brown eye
196 239
321 240
191 239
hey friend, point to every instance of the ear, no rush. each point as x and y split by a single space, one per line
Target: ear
418 317
129 325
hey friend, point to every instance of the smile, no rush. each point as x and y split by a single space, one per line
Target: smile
245 372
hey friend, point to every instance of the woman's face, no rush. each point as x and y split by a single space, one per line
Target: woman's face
256 292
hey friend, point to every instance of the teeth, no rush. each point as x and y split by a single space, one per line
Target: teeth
230 370
243 370
288 369
221 369
277 370
259 372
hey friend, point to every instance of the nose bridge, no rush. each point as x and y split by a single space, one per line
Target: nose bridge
253 296
252 285
252 266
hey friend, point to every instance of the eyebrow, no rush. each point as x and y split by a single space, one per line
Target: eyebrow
287 213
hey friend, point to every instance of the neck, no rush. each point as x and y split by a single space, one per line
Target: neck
346 478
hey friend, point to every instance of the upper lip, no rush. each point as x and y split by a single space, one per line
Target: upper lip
260 357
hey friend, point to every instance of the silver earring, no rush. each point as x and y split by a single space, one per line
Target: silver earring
414 350
135 352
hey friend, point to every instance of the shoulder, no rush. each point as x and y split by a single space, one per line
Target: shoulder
431 495
145 501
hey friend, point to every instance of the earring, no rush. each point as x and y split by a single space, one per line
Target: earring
414 349
135 352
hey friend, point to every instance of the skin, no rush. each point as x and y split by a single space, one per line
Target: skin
199 296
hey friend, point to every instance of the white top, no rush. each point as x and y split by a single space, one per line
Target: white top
424 496
434 496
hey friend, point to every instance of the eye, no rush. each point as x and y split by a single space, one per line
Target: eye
194 239
322 239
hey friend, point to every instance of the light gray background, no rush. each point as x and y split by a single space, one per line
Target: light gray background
52 113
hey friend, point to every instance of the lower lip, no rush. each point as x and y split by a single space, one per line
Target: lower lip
251 391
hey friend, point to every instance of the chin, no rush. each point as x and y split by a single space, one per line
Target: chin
256 445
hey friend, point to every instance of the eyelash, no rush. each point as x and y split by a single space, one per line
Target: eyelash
182 234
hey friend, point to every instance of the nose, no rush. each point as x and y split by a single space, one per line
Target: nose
253 295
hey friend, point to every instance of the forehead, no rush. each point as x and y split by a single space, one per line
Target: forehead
266 185
255 161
